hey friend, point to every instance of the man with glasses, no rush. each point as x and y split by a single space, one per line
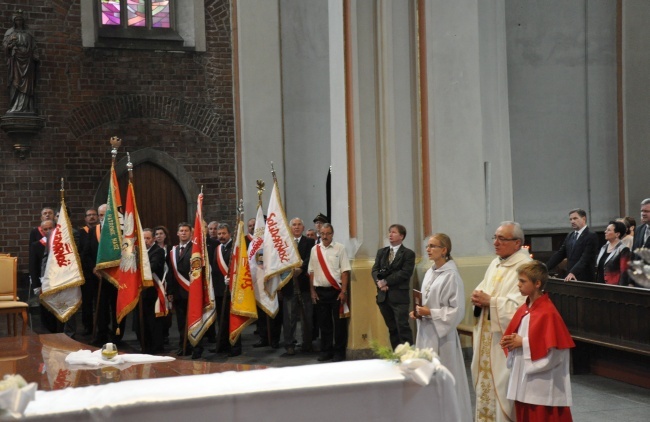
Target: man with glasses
580 249
392 274
496 299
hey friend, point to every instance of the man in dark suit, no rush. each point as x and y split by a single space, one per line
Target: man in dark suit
88 245
579 248
296 294
392 273
178 261
642 233
36 253
153 326
220 282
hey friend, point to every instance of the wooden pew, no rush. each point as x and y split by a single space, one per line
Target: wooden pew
611 327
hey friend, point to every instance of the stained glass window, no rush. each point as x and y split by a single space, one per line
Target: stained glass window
110 12
160 14
136 13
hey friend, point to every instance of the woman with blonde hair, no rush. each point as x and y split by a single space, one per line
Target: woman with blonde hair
443 308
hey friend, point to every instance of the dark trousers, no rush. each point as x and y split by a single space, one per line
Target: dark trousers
297 307
180 307
153 326
106 316
88 300
223 342
266 324
396 316
333 330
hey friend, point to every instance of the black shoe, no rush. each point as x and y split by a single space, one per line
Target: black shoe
234 353
275 345
196 354
324 357
261 343
338 358
179 352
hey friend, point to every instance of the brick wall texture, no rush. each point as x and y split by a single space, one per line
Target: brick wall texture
180 103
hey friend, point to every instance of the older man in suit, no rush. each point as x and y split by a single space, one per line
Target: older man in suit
392 273
296 295
579 248
220 284
642 233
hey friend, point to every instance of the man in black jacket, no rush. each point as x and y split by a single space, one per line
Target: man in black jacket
392 273
579 248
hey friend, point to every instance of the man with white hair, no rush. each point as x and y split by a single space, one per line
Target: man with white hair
496 300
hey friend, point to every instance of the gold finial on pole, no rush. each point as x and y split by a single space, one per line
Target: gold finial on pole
260 190
115 143
62 188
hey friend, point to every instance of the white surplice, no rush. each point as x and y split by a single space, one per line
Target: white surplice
489 372
544 381
443 293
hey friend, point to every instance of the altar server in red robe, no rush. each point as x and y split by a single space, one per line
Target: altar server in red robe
537 343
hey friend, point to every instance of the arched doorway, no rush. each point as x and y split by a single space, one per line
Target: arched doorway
159 197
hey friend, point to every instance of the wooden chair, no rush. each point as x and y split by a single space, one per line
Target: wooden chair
11 306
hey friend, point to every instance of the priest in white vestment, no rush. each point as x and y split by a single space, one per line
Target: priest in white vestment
443 308
496 300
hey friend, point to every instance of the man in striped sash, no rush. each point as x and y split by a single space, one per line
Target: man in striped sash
179 262
329 275
220 284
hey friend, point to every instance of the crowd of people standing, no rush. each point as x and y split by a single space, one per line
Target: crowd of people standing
514 359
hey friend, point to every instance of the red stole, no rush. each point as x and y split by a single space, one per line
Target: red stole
546 328
344 309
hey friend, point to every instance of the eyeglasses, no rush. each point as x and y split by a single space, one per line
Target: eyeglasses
502 239
434 246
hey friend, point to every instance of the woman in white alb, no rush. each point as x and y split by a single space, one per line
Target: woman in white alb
443 300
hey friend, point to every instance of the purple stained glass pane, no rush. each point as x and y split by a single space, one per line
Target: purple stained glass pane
111 12
135 10
160 14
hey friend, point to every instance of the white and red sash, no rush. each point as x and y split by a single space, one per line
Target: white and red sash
43 241
162 306
221 262
344 309
180 279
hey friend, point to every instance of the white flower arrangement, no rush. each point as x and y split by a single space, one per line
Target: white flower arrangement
418 365
12 381
15 395
407 352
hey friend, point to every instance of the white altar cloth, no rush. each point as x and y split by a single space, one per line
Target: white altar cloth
367 390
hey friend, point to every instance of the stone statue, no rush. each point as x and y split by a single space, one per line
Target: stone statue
22 60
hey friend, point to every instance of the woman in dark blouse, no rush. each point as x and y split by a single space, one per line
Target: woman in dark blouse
613 256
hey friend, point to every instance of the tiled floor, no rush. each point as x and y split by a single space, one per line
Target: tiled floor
594 398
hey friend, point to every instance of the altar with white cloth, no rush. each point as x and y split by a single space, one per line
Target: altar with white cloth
366 390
